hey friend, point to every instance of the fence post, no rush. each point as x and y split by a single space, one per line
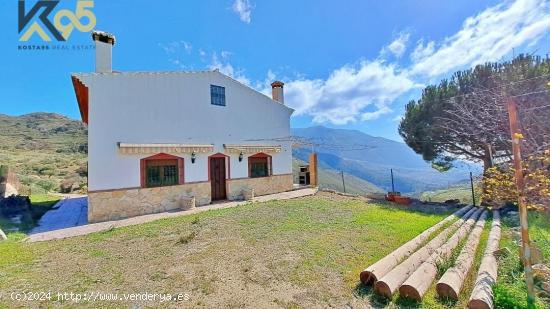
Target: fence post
313 173
392 184
472 187
343 182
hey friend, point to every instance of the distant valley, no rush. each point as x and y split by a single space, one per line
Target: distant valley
370 159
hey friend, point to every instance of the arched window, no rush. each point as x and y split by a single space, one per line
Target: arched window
161 170
259 165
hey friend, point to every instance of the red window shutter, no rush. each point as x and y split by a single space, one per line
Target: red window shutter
142 172
180 171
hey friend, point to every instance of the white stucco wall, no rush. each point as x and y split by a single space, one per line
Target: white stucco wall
175 108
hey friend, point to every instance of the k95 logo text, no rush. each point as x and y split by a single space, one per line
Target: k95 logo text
64 20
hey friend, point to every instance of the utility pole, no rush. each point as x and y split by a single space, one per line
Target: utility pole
525 243
473 192
343 182
392 184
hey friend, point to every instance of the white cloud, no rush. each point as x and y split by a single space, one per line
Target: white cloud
422 50
177 46
347 94
366 90
225 54
488 36
349 90
398 46
176 50
226 68
243 9
397 118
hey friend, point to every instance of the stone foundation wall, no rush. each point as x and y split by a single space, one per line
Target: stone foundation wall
237 188
125 203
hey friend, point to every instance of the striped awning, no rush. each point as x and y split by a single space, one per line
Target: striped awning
126 148
252 148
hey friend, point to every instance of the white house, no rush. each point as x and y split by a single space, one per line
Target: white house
156 140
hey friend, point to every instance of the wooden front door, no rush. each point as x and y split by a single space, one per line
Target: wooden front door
217 178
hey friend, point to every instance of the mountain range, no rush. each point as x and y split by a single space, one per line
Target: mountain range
371 158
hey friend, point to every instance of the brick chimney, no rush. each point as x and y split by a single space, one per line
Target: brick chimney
277 91
104 42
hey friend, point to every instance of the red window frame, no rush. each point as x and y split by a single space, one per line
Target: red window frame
260 157
157 158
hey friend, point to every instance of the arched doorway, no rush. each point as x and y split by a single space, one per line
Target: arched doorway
218 172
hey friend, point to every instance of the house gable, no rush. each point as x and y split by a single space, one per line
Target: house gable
83 81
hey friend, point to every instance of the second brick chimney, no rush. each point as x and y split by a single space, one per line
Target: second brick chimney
277 91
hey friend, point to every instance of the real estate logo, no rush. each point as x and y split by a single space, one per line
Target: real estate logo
64 20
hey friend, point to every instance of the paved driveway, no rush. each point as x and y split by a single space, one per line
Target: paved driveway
68 212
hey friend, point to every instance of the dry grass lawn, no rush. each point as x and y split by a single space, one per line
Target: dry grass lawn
300 253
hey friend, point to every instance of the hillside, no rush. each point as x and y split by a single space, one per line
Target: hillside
332 179
461 191
371 158
46 150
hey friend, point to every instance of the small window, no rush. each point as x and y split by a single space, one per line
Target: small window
259 165
160 173
217 95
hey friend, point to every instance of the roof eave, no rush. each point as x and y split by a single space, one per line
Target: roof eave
81 92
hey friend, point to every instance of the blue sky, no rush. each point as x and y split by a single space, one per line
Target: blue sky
345 64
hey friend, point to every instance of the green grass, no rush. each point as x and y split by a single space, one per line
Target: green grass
462 192
40 204
299 253
510 290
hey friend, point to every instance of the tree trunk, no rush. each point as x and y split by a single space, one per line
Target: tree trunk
487 157
487 164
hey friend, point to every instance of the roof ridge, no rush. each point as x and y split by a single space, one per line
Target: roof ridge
140 72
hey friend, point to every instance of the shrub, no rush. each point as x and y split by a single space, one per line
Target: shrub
47 185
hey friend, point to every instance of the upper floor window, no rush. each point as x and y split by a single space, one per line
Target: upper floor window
217 95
